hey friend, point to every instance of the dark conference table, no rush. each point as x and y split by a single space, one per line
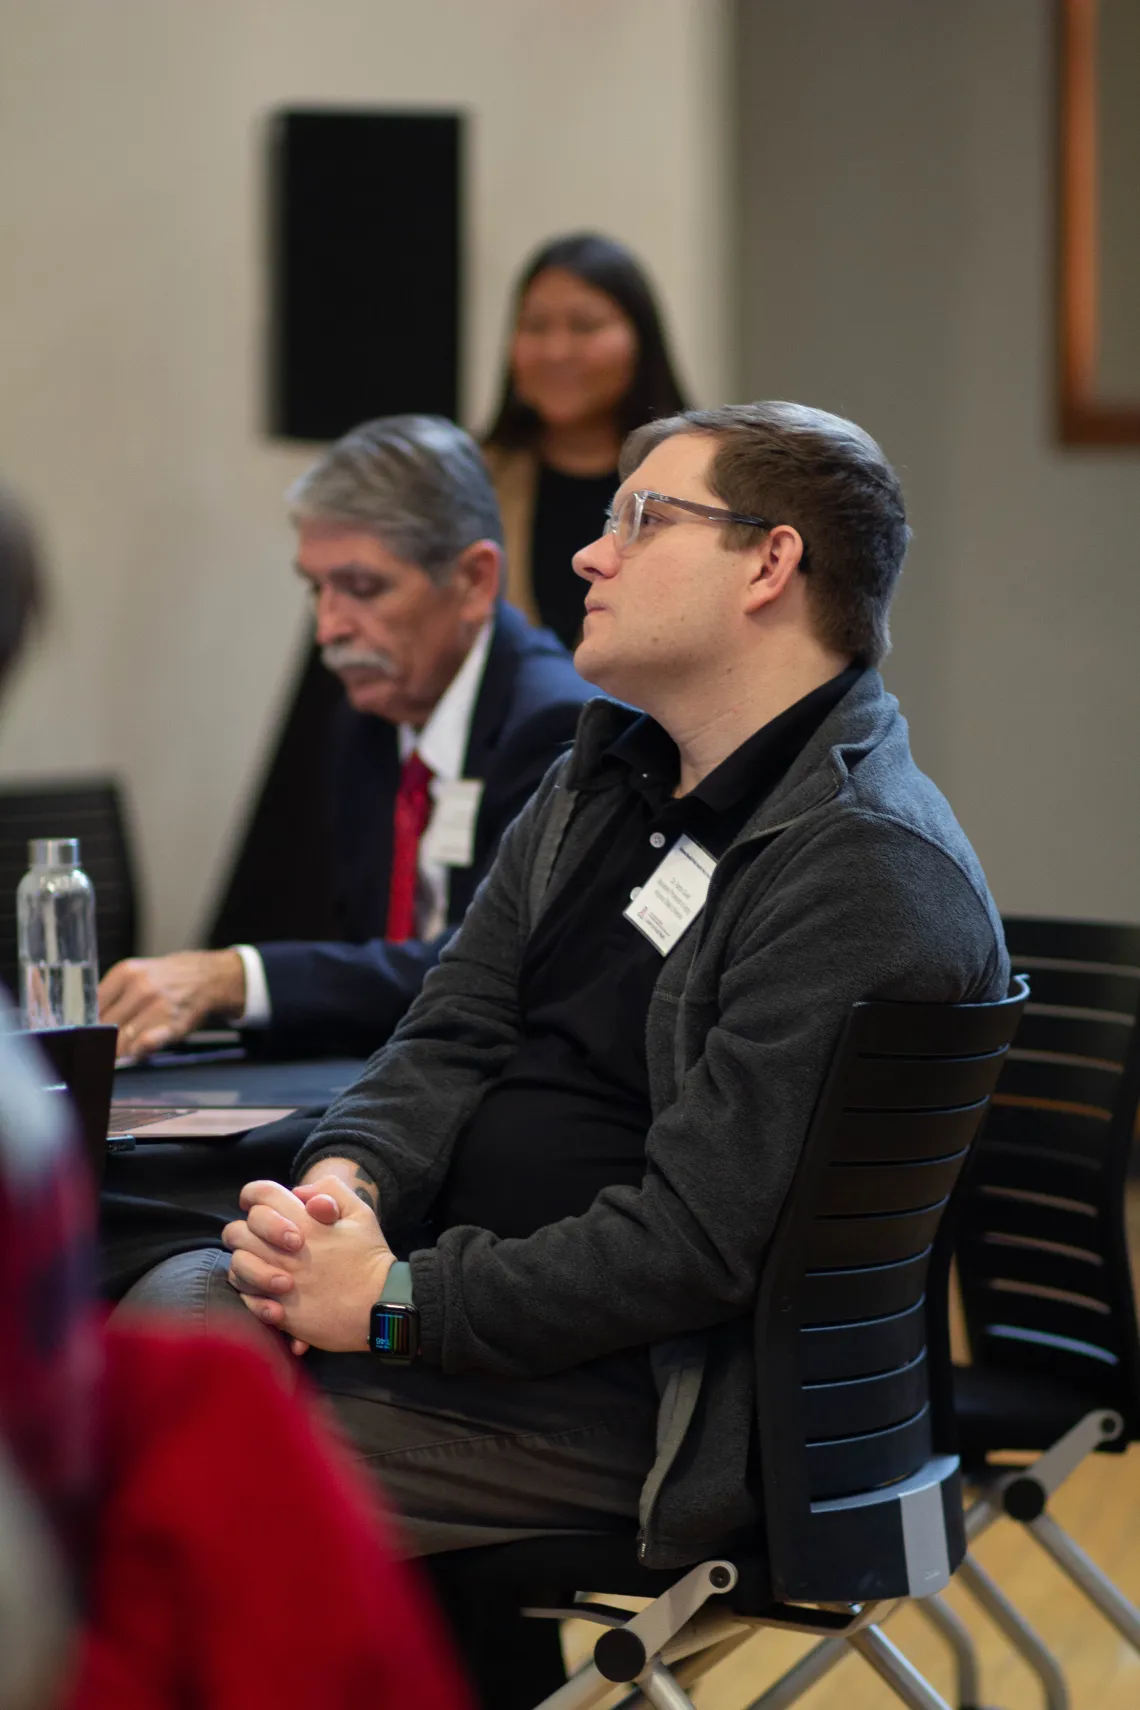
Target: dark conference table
233 1082
167 1197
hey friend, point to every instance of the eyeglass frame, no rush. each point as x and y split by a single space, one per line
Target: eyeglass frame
700 512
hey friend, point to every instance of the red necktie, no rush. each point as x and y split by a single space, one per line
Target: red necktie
413 809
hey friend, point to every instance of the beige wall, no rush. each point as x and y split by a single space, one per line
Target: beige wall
129 272
897 230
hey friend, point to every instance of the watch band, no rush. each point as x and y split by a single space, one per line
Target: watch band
398 1285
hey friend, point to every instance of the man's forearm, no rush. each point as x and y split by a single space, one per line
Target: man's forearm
351 1173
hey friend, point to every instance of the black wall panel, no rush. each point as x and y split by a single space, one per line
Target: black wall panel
364 276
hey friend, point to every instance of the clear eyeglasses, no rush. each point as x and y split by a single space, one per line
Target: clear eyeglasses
636 513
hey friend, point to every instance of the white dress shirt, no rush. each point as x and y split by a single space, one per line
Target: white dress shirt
442 745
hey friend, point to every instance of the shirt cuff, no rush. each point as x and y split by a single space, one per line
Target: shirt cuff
257 1012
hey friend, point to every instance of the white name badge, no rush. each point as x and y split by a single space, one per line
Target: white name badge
450 836
673 895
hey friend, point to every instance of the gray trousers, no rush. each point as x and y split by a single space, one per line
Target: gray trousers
464 1460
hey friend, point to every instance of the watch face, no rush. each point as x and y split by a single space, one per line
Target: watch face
392 1331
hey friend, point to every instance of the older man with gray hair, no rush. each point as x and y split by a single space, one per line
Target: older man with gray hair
454 709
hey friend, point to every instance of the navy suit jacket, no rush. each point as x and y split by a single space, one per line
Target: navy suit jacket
349 996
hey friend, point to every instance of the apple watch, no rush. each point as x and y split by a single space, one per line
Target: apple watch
394 1327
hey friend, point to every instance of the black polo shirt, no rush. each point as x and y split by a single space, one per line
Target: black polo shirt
569 1114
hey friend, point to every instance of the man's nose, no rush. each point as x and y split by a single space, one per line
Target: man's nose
600 558
332 619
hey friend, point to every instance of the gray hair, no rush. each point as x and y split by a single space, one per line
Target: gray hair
418 483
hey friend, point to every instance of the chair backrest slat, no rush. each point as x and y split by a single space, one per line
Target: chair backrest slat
860 1348
920 1083
883 1288
1056 1081
1098 1041
873 1401
889 1188
1020 1215
848 1465
1037 939
856 1243
1062 1131
881 1136
1018 1263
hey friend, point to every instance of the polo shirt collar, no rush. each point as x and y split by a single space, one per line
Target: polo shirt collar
751 770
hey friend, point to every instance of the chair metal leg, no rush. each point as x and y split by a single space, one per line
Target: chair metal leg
585 1689
1093 1581
687 1672
662 1691
1017 1630
982 1514
899 1673
637 1647
951 1627
797 1680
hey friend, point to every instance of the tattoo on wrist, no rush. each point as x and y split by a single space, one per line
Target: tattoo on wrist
366 1189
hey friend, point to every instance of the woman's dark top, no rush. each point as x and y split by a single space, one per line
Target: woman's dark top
569 511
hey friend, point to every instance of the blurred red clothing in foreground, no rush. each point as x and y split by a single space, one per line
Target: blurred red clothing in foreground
239 1560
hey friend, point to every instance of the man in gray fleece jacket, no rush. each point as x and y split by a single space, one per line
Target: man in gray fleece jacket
564 1169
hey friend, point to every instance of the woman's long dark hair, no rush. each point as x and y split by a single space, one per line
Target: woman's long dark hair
610 267
21 588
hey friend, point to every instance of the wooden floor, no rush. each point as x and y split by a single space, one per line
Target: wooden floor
1099 1506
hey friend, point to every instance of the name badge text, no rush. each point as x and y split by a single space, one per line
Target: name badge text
673 895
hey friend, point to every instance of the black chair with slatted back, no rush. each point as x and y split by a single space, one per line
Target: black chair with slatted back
1042 1247
92 810
861 1495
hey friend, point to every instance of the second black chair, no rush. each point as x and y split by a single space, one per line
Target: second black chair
1043 1257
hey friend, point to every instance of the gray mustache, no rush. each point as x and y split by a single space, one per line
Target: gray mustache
344 657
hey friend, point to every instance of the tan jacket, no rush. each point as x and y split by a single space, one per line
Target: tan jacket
515 475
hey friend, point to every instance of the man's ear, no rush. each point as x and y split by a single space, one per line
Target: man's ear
773 565
478 575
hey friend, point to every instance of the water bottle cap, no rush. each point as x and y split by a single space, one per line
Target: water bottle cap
53 852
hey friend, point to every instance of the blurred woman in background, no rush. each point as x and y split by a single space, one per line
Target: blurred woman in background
588 362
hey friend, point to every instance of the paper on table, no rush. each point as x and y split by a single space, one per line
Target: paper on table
211 1124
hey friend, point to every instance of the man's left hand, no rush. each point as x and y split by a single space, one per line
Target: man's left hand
321 1294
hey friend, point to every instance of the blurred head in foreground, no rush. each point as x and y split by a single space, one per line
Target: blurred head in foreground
48 1365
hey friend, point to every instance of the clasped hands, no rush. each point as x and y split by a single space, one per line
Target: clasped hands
310 1261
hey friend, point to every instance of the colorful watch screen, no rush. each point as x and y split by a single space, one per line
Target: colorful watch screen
392 1332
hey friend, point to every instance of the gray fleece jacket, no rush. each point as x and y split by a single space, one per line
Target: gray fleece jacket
853 880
